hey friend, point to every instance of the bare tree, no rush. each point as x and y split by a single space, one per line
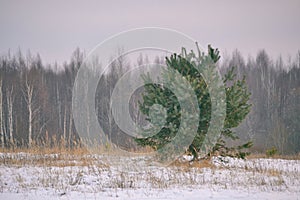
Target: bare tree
1 117
32 109
279 135
10 100
70 129
65 125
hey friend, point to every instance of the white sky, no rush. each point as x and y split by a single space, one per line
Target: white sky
55 28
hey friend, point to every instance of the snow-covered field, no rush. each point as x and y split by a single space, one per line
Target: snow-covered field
59 176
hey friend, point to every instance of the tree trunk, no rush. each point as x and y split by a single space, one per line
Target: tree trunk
29 99
1 117
59 107
70 129
10 115
65 125
30 125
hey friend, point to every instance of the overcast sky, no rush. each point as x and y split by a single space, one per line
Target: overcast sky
55 28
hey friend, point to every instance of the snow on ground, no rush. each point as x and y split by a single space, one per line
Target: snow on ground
138 194
121 177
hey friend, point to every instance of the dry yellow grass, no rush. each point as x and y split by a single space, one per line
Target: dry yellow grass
47 160
285 157
195 164
58 155
273 172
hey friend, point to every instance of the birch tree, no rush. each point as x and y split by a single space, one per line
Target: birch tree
32 109
10 100
70 129
1 117
65 125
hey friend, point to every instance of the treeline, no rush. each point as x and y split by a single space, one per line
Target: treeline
274 120
36 101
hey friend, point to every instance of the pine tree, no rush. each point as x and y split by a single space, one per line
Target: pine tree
237 106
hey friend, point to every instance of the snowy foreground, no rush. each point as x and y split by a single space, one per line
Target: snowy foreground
55 176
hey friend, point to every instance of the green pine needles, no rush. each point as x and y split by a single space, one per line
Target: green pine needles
237 106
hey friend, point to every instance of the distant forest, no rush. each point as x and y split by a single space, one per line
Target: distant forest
36 101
